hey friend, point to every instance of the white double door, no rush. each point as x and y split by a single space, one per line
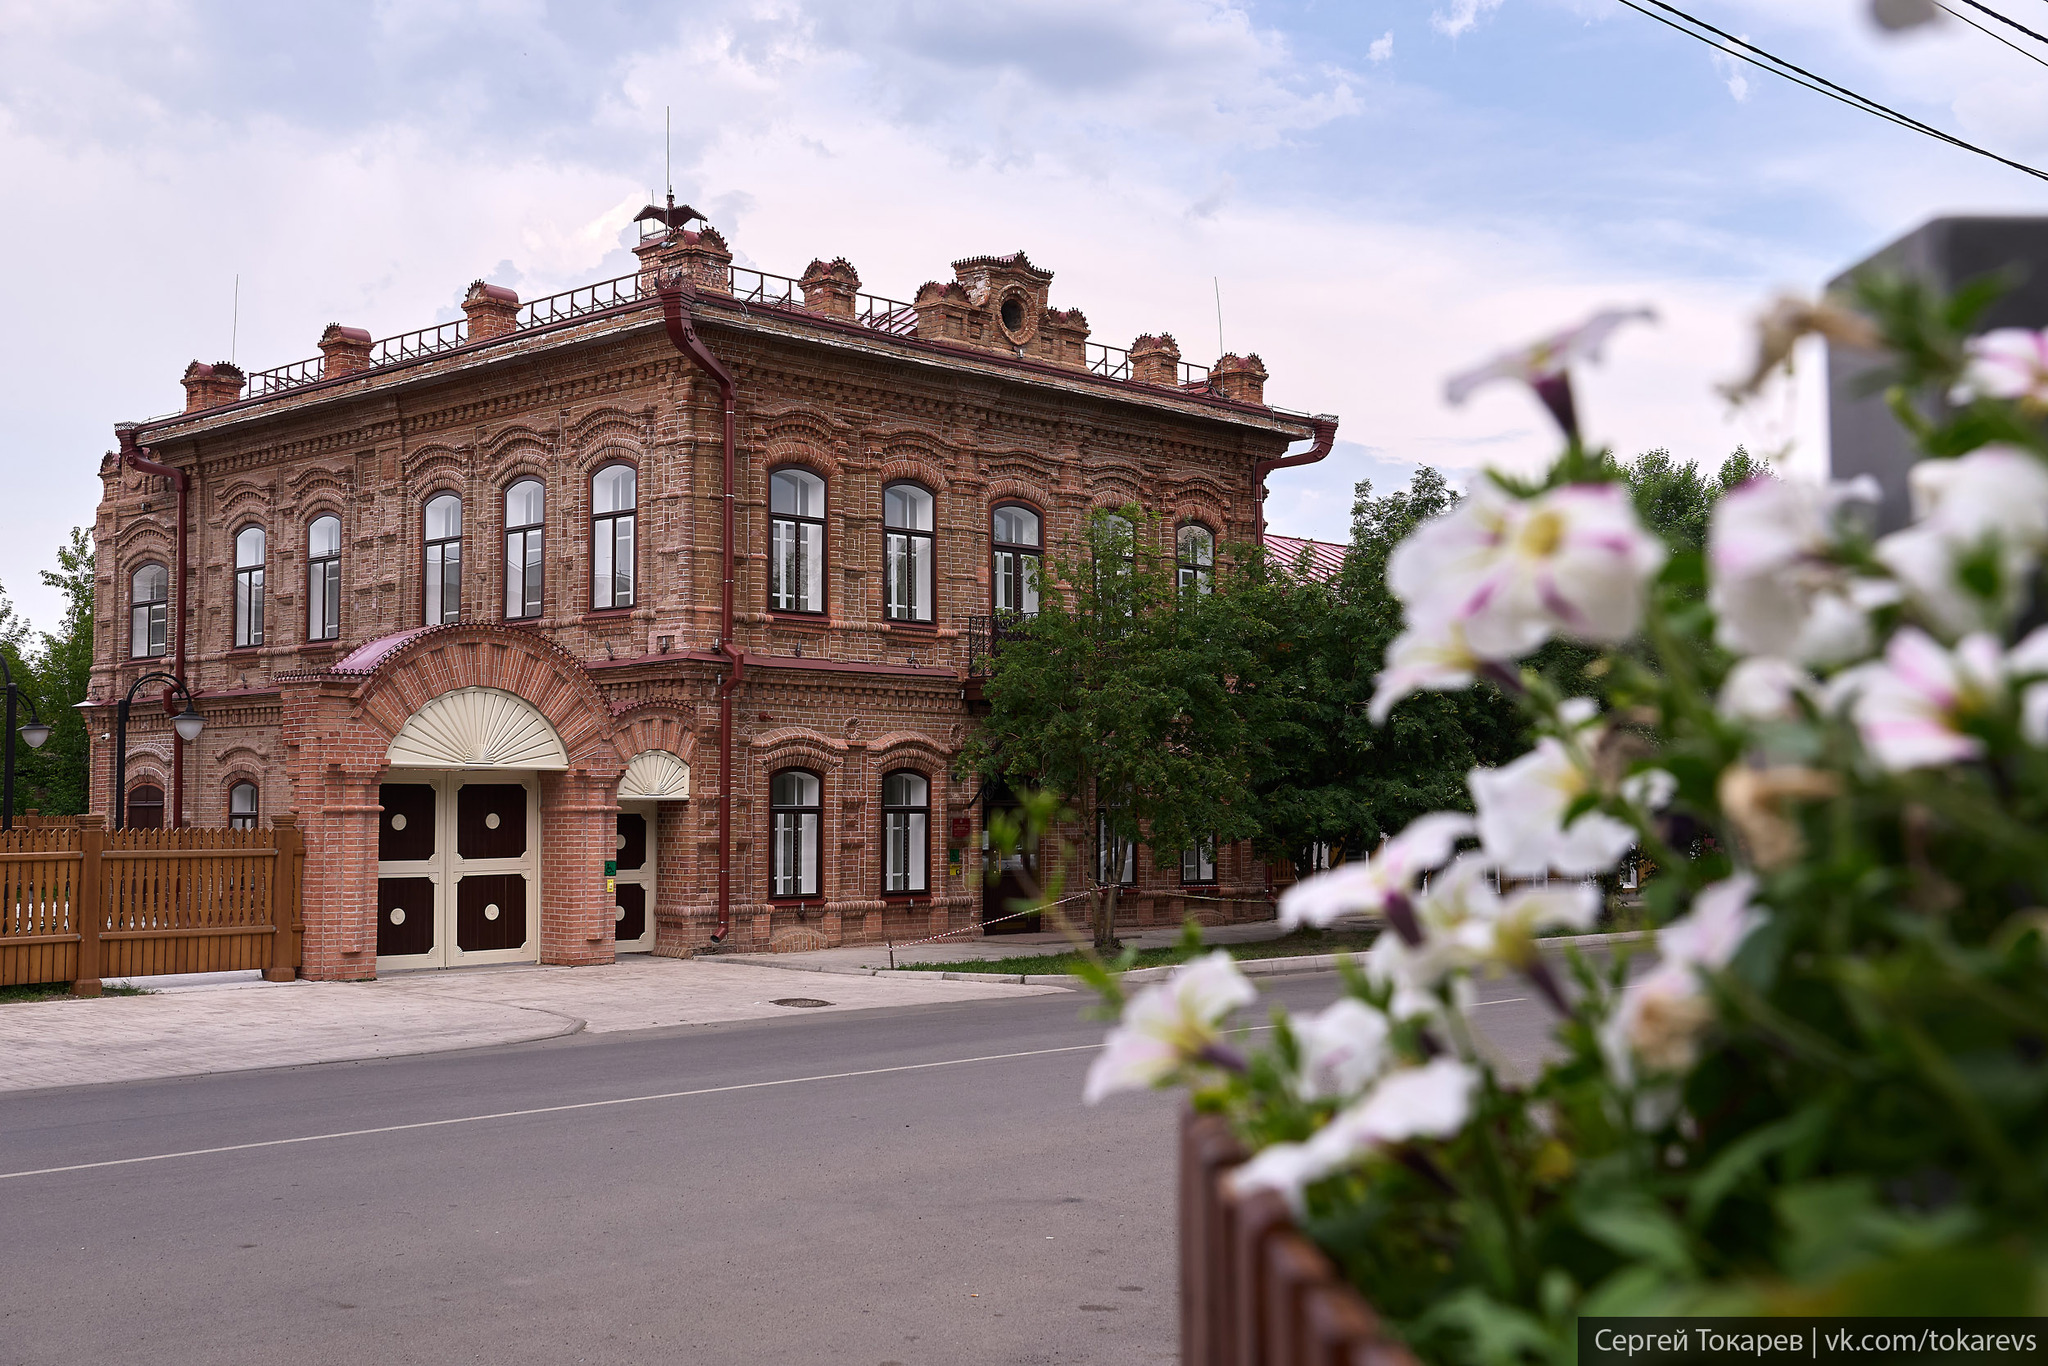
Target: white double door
634 884
458 869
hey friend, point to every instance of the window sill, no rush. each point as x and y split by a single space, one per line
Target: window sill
797 902
246 649
907 898
599 614
814 621
913 628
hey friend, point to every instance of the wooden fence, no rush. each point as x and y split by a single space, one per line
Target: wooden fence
79 902
1253 1291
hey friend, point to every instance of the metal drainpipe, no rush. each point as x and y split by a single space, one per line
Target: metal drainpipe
675 292
1326 433
139 458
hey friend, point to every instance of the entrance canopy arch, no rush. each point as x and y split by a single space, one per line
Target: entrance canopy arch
655 775
478 728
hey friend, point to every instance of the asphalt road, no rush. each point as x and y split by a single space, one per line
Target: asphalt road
908 1186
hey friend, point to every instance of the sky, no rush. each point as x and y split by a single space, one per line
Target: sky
1377 193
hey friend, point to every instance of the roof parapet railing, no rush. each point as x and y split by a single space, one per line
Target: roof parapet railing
423 342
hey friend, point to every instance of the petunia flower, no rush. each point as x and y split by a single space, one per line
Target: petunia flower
1512 572
1169 1027
1545 365
1521 810
1430 1101
1343 1047
1983 524
1662 1016
1776 588
1911 706
1763 688
1437 660
2027 663
2007 363
1369 886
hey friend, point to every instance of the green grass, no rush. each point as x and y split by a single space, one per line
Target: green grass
57 991
1288 946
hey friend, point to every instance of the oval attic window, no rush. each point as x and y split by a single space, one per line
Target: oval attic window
1013 313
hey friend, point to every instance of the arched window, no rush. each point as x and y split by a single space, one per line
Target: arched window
145 809
249 586
1019 542
443 559
906 831
149 608
906 553
242 806
323 578
794 807
525 514
796 556
1195 547
614 493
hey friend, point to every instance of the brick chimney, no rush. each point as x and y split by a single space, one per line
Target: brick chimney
1240 377
347 350
210 386
829 289
493 311
1156 359
942 310
702 255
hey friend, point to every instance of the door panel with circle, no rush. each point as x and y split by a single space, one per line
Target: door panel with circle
633 887
405 916
490 912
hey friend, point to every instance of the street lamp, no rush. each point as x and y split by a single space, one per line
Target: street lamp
35 732
188 723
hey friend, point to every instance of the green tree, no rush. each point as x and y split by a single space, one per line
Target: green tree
58 775
1119 696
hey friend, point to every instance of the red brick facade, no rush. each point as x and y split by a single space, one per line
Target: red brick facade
975 404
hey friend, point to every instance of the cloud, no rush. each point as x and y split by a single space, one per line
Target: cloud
1733 70
1461 16
1382 48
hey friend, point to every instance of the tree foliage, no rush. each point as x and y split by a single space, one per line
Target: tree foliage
54 670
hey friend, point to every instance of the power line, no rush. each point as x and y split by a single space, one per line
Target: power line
1989 33
2001 19
1778 66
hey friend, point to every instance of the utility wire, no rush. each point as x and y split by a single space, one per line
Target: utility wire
1992 33
2001 19
1778 66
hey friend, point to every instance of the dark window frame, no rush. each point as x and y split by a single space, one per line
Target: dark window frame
1026 558
1200 879
776 520
609 522
917 869
429 614
244 820
1200 575
155 614
814 837
323 583
248 599
911 536
532 549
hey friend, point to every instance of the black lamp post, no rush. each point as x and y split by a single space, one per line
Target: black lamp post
188 723
35 732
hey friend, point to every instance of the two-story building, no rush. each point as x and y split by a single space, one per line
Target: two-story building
638 616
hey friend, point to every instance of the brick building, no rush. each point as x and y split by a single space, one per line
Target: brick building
464 599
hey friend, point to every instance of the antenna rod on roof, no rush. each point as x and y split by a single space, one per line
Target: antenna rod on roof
1218 283
668 174
235 324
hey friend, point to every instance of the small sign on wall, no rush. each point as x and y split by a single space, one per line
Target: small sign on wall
953 861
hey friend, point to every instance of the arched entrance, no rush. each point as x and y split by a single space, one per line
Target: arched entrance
458 840
653 777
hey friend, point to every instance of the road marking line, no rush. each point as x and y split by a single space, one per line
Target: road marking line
543 1110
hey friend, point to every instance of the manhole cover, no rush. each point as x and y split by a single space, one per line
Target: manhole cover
800 1002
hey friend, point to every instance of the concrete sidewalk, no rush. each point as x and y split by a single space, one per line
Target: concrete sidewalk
189 1027
865 959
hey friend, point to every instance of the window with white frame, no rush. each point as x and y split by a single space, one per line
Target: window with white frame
249 548
1195 549
614 498
907 514
1018 539
149 592
242 806
443 528
794 812
525 532
796 551
906 831
323 578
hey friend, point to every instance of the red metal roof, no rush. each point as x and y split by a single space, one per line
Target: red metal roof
1325 558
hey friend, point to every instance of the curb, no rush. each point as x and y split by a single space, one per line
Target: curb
1250 967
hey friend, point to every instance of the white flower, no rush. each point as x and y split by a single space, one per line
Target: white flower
2009 362
1168 1026
1415 972
1763 688
1662 1016
1521 813
1652 789
1550 357
1436 659
1368 886
1431 1101
1515 571
1983 522
1342 1049
1466 922
2029 660
1776 589
1910 707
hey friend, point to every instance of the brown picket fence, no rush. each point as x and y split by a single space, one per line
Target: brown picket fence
1253 1290
79 902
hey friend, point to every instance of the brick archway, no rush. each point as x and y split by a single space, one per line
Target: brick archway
338 723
